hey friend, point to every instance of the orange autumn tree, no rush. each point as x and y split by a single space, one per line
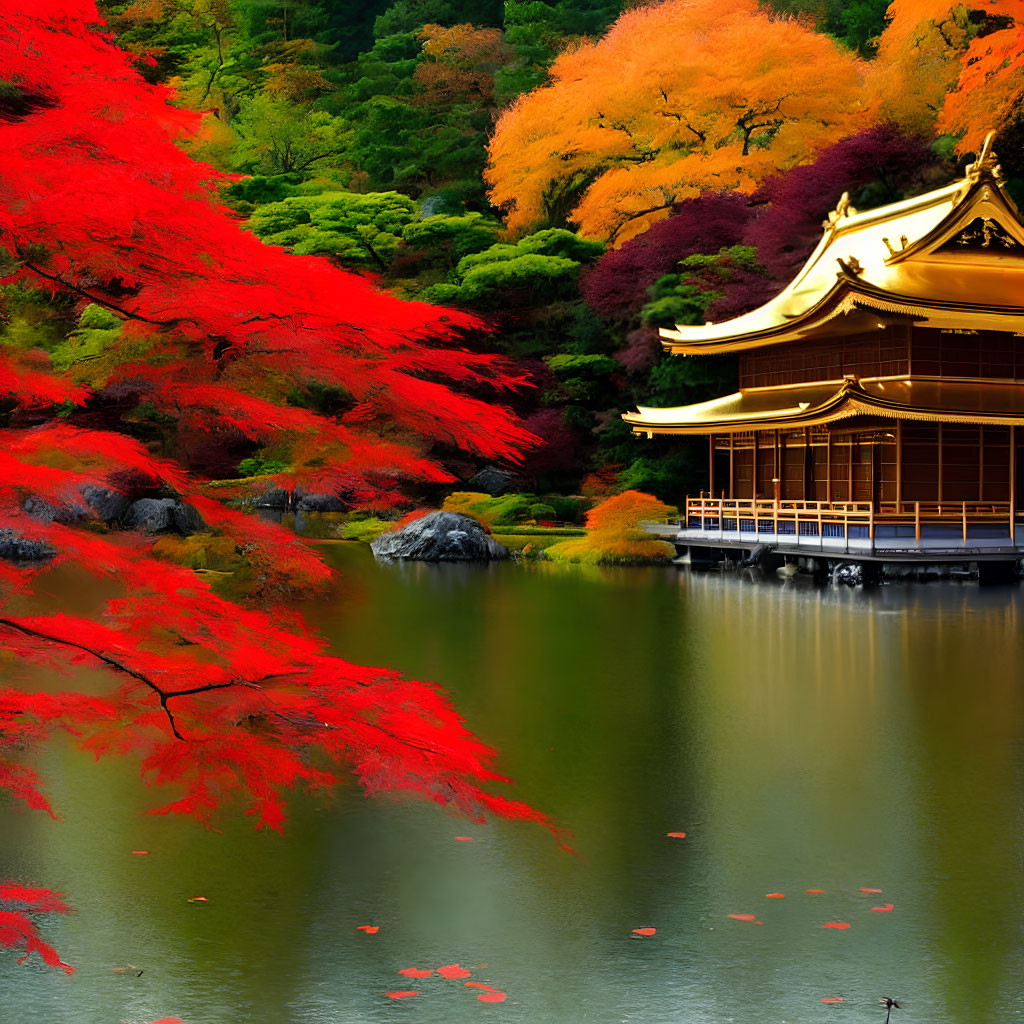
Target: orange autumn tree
918 61
459 63
953 66
990 86
614 533
676 98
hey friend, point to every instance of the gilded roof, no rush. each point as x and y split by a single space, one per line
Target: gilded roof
952 257
806 405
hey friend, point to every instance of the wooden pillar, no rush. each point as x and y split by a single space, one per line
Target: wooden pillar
940 469
711 464
778 470
1013 480
732 470
981 464
849 470
753 475
828 466
899 465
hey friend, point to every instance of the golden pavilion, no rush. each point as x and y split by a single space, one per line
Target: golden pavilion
880 392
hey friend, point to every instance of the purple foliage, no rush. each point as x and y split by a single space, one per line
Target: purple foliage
643 346
616 286
744 291
559 452
798 200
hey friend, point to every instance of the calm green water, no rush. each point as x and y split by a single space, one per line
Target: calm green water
802 738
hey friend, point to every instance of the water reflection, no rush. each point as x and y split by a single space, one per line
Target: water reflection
803 738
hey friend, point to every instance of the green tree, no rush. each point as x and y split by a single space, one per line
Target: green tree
355 229
278 136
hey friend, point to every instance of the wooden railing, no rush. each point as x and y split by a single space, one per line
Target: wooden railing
838 520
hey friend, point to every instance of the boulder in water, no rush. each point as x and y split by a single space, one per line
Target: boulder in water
440 537
163 515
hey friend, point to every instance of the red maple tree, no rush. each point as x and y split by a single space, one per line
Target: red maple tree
216 699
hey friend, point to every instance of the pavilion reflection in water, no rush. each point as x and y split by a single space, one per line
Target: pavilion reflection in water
881 391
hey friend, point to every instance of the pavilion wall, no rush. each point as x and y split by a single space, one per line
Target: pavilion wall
892 351
867 460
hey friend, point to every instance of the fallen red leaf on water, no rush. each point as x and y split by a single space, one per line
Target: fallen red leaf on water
198 899
836 924
862 889
775 896
464 839
140 853
644 931
817 892
168 1020
452 971
884 909
416 972
745 917
676 835
400 995
480 984
491 997
368 928
21 959
832 999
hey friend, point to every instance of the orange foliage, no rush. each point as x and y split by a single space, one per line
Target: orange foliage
460 63
614 535
943 66
676 98
626 511
991 83
918 61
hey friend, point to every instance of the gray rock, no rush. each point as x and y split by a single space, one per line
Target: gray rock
494 480
14 548
319 503
440 537
277 497
108 505
850 573
45 512
163 515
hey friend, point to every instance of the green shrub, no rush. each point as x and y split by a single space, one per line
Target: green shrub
542 511
259 466
503 510
365 530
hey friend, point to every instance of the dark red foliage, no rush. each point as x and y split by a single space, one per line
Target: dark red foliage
616 286
797 201
558 452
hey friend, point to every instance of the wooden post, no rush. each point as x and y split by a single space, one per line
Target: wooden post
917 522
732 472
778 468
753 476
849 470
871 525
711 465
940 469
899 466
1013 481
965 522
981 464
828 467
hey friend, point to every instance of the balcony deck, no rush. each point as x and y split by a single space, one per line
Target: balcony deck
887 531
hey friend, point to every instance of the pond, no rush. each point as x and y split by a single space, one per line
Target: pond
802 738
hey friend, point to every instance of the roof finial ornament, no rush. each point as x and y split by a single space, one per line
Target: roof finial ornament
843 209
985 163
